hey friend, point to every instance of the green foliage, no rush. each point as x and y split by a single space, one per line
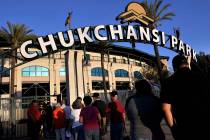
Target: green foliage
156 11
203 64
16 33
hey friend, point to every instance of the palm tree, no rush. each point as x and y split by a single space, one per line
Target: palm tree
103 49
15 34
158 13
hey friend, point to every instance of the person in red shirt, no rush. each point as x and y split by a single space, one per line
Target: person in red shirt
59 122
34 120
116 114
90 118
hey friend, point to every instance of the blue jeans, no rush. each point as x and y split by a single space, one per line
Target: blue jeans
78 133
92 134
116 131
60 133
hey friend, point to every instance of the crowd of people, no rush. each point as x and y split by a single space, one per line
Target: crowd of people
184 103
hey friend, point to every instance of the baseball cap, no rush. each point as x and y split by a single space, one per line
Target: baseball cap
113 93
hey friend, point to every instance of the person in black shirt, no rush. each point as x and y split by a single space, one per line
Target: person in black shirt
101 106
185 102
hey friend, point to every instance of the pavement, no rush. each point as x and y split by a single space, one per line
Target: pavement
107 136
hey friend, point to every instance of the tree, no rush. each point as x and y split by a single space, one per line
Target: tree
15 34
103 49
202 65
158 13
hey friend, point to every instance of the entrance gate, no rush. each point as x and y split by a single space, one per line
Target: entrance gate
13 115
13 111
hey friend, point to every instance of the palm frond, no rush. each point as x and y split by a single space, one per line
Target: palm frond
157 4
4 33
156 11
167 16
164 8
10 27
16 33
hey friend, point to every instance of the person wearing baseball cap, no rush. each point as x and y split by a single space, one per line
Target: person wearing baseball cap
116 113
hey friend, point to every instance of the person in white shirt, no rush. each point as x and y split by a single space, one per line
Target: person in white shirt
77 127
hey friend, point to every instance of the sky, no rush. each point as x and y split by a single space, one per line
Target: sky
48 16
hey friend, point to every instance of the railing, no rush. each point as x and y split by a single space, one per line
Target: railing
13 115
113 60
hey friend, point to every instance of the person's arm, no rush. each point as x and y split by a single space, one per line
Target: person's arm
107 111
81 119
168 114
99 120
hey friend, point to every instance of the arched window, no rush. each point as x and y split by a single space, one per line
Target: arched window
98 72
121 73
137 75
62 71
35 71
6 72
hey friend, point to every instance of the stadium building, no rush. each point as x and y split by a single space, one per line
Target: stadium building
48 75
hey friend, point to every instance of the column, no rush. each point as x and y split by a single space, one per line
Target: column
113 79
89 78
18 82
51 78
110 76
80 74
70 76
57 80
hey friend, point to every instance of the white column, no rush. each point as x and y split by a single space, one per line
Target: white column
80 74
70 76
57 79
113 79
130 71
89 78
110 76
18 82
51 78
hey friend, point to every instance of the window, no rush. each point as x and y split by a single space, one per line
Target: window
87 57
122 85
114 60
98 85
138 75
121 73
98 72
124 61
62 71
6 72
35 71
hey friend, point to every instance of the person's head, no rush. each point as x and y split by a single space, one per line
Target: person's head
96 96
179 61
113 95
58 105
143 87
34 103
87 100
79 98
41 105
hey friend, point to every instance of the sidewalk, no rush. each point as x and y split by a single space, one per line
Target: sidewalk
107 136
